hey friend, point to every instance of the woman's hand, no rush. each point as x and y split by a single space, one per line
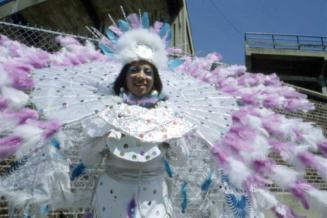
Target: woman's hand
164 146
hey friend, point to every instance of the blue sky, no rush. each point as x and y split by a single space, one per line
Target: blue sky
219 25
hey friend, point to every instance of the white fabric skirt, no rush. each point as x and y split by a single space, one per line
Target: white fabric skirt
112 197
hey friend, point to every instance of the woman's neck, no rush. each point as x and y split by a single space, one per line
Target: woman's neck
149 100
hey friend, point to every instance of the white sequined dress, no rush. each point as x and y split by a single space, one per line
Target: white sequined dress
134 180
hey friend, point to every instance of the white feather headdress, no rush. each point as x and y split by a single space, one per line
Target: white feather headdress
133 39
141 44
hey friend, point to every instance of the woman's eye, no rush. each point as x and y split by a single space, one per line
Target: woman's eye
148 72
134 70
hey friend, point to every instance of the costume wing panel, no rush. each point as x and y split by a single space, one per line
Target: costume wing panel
40 177
201 104
201 189
69 94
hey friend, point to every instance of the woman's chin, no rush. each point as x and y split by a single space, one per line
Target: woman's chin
140 91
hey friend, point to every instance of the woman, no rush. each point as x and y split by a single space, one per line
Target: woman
134 183
141 81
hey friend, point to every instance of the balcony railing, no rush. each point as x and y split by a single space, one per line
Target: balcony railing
282 41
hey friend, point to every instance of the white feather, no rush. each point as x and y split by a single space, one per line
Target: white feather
264 199
27 131
260 150
284 176
16 98
238 172
322 167
128 46
7 123
32 136
318 201
256 123
312 135
4 79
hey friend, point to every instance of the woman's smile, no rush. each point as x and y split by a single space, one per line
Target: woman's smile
140 80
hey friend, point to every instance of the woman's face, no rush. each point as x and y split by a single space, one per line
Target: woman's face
139 79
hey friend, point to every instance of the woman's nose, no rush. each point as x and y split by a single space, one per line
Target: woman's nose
141 74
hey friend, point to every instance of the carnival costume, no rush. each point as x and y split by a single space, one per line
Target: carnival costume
198 149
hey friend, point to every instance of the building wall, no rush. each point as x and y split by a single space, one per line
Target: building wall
306 69
71 16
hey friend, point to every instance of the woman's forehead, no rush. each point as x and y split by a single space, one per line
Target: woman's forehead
140 63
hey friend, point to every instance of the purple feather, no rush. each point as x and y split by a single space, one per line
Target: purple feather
299 189
282 211
24 115
156 26
221 157
131 208
293 105
3 103
116 30
307 159
9 145
262 166
39 59
277 145
250 99
64 41
173 50
272 80
271 124
272 101
50 128
87 214
235 143
19 74
323 147
134 21
254 89
243 132
255 181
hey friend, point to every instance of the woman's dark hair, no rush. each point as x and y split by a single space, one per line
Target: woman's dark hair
121 79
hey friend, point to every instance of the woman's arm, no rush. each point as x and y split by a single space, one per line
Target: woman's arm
176 151
94 150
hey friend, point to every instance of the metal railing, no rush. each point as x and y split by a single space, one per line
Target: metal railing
36 37
46 40
283 41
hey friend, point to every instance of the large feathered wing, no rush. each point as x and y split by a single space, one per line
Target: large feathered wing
39 173
239 140
257 131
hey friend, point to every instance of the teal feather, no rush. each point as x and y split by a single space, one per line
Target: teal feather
44 209
145 20
168 38
239 206
174 63
184 197
123 25
55 143
106 50
168 168
111 35
26 211
206 184
78 171
164 29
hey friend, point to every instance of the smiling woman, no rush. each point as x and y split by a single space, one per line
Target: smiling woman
138 78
